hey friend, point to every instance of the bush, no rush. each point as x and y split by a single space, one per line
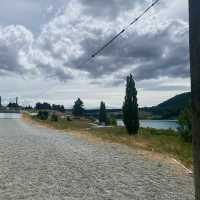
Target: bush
112 121
69 118
43 115
185 123
54 117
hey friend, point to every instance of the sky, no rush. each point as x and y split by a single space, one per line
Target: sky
44 45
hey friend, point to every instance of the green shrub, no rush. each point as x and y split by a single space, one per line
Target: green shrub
185 125
112 121
69 118
43 115
54 117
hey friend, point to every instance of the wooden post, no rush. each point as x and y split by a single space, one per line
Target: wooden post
194 15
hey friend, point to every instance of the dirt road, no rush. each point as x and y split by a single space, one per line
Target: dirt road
38 164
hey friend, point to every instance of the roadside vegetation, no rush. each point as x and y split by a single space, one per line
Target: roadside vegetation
56 122
185 124
166 142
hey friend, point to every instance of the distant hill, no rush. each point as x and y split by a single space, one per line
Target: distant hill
169 109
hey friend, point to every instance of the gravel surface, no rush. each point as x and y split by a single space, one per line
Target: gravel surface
39 163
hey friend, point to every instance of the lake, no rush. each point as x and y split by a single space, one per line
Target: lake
10 115
157 124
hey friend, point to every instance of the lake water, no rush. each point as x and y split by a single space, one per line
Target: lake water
157 124
10 115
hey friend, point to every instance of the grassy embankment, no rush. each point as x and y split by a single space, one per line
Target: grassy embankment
165 142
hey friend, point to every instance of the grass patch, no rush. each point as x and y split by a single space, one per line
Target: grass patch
64 124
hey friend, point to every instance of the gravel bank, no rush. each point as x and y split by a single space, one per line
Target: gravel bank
42 164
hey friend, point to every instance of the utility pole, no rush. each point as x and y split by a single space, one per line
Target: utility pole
194 21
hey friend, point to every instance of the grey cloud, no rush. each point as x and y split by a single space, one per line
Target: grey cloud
30 13
54 72
150 85
167 88
109 9
17 46
13 40
174 64
8 59
60 74
157 86
148 56
63 75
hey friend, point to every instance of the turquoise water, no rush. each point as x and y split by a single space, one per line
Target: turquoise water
9 116
157 124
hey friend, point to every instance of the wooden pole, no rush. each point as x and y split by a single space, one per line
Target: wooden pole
194 21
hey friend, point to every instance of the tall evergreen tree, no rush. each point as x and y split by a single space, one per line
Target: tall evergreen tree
78 109
130 107
102 113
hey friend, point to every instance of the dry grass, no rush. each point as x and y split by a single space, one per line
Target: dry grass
165 142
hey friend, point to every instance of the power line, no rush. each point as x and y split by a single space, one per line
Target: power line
122 31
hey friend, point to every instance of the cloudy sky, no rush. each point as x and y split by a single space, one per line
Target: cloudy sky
44 45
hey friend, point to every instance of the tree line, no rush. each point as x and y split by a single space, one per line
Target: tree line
47 106
130 109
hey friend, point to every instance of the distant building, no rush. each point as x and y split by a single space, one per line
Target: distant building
16 101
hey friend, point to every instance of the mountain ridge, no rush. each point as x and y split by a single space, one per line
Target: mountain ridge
170 108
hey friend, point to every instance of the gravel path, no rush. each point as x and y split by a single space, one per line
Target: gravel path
43 164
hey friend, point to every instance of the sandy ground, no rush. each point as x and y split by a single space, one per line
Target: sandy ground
40 163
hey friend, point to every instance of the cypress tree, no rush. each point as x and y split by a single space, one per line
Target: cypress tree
103 114
130 107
